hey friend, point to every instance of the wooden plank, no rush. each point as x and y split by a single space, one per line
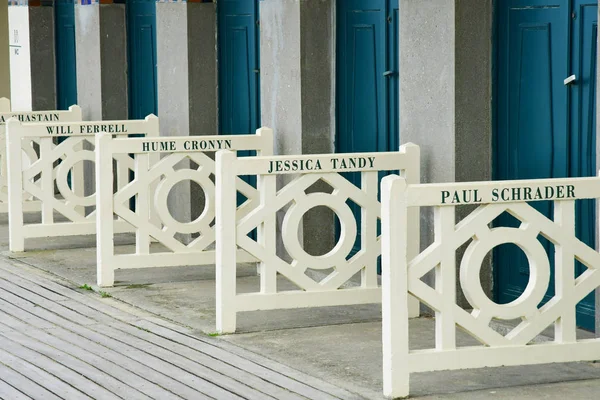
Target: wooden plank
31 274
29 280
56 386
239 356
108 351
86 354
56 368
42 291
67 308
10 393
213 363
53 308
146 357
93 373
23 385
227 387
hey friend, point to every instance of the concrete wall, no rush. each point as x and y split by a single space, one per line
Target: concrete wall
101 54
446 107
43 62
4 53
87 48
297 58
202 80
173 90
202 68
20 61
113 61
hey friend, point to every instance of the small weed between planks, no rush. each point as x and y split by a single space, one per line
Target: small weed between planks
85 287
105 295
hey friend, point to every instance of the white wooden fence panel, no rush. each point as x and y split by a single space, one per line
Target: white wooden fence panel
30 156
33 182
232 231
402 273
4 105
153 181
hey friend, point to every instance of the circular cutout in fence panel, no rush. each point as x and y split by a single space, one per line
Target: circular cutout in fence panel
321 242
539 273
62 173
166 186
348 230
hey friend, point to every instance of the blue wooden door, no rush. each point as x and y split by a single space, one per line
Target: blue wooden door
141 30
367 80
66 72
239 68
541 132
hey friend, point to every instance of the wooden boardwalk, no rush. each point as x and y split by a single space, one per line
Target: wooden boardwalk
58 343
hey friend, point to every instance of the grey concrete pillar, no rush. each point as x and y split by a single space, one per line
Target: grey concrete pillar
101 53
173 90
187 84
32 62
445 94
297 101
4 53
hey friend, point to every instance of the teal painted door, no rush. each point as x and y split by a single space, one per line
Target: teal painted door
545 129
141 30
239 70
367 79
66 72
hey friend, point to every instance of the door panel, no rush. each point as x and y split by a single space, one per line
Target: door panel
544 128
361 56
66 72
239 111
583 128
143 90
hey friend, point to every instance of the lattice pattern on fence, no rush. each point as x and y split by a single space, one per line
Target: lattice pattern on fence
33 178
402 275
339 265
4 105
184 159
30 156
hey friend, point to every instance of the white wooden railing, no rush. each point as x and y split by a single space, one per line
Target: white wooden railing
72 115
233 229
153 181
4 105
402 274
32 182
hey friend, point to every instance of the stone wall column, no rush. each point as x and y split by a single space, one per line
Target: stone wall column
297 59
101 53
32 62
173 89
4 53
187 84
445 94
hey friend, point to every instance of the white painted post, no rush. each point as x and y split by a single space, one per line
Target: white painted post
413 177
226 247
394 288
368 227
264 236
14 156
445 278
47 178
4 104
104 210
153 158
564 280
